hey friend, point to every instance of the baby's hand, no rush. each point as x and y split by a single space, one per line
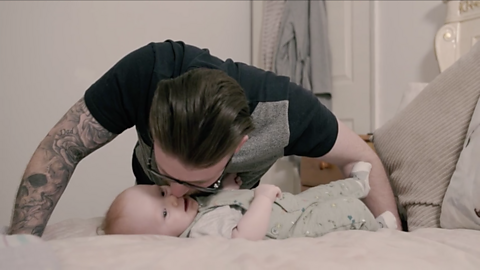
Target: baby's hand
269 191
231 181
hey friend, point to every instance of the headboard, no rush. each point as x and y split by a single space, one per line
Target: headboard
460 32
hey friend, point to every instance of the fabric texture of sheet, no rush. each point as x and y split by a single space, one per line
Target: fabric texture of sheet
26 252
75 245
438 249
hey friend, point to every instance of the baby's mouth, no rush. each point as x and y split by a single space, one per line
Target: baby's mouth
185 203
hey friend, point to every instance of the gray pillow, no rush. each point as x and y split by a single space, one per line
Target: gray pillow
420 146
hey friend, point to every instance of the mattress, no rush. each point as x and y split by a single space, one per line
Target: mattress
77 246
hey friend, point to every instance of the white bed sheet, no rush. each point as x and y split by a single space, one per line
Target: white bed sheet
78 248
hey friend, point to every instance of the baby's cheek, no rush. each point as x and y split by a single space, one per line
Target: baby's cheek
185 221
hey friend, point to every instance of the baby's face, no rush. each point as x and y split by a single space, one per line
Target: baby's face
157 211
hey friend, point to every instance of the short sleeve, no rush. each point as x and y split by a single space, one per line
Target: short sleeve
313 127
113 100
219 222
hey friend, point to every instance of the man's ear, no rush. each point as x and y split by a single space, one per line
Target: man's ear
245 138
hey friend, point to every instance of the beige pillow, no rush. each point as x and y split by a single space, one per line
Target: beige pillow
420 146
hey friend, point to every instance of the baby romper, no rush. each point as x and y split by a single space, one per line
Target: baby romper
312 213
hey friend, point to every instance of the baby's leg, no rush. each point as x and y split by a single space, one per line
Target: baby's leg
361 173
335 215
357 186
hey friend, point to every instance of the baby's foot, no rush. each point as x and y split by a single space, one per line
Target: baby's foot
361 173
387 220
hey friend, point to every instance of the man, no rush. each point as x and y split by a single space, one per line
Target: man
197 118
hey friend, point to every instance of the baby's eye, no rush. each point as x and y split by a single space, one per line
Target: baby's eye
164 213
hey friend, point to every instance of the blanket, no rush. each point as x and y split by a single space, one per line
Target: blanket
75 245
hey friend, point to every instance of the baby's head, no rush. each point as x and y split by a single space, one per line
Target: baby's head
149 209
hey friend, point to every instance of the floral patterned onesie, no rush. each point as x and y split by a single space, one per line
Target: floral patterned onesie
312 213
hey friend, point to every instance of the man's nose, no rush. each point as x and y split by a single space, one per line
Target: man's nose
178 190
173 200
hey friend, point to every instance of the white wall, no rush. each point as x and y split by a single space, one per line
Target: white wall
404 50
50 52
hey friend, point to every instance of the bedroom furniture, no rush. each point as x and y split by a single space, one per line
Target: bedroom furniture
460 32
314 172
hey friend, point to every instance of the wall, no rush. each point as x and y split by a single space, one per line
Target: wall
50 52
404 50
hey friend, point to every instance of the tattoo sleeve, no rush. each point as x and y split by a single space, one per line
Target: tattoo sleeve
74 137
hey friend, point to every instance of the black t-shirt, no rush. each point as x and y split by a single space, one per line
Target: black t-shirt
289 120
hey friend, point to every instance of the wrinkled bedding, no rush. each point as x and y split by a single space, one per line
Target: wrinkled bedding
424 249
77 246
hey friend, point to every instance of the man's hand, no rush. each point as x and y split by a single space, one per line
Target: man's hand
271 192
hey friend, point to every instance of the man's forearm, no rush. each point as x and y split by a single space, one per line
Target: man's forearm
349 149
37 196
254 224
75 136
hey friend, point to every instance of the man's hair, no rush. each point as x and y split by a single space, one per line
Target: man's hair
199 117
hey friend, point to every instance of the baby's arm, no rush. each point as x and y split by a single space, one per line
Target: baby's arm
254 223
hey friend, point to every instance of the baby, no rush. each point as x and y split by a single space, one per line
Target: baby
262 213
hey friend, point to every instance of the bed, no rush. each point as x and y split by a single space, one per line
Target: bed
73 244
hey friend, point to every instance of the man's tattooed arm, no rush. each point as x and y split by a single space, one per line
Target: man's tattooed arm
74 137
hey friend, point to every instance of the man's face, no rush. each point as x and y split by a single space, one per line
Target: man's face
172 167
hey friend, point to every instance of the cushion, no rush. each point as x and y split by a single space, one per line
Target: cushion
420 146
461 205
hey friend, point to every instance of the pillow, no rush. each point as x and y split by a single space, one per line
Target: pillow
461 205
420 146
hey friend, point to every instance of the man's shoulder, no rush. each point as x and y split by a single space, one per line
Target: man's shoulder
177 56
